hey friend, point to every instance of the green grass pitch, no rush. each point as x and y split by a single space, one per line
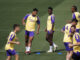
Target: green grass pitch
12 11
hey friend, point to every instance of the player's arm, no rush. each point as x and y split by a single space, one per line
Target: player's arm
73 16
38 26
63 29
23 20
11 40
53 21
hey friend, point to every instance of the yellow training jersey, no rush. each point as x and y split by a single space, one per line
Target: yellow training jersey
67 31
12 37
50 21
31 22
76 15
76 38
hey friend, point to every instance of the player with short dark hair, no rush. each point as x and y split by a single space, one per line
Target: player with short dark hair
50 29
76 44
10 43
76 15
31 20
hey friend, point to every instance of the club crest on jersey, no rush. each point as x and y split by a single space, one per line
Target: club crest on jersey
32 20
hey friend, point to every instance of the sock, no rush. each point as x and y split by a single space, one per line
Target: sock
54 44
51 47
28 49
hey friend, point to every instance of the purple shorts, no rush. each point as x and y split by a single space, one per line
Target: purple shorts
67 47
11 52
49 32
77 30
29 33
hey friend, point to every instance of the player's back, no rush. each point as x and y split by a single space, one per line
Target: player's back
11 37
67 38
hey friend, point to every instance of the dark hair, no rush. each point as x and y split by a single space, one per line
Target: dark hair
75 7
74 20
73 26
15 25
50 8
35 9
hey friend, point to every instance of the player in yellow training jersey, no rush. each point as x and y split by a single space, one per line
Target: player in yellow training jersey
76 15
50 29
10 43
76 44
67 38
31 20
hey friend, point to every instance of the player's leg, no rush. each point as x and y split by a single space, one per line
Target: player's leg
70 55
67 55
69 51
54 45
26 39
16 57
49 39
8 55
13 53
31 36
8 58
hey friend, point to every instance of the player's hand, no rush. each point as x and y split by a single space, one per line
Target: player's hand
37 32
18 43
70 45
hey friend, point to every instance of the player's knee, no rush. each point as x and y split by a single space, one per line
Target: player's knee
26 41
16 56
30 40
8 58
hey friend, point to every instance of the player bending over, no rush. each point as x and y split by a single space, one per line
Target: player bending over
31 20
76 44
68 39
76 15
10 43
50 29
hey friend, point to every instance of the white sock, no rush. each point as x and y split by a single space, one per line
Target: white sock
54 44
51 47
28 49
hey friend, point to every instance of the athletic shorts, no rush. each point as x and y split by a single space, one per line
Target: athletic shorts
29 33
66 44
76 56
49 32
10 52
77 30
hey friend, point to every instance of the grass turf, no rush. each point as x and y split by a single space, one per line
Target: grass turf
12 11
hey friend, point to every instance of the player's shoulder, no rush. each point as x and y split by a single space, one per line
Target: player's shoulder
12 33
28 14
76 13
77 33
52 14
68 24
